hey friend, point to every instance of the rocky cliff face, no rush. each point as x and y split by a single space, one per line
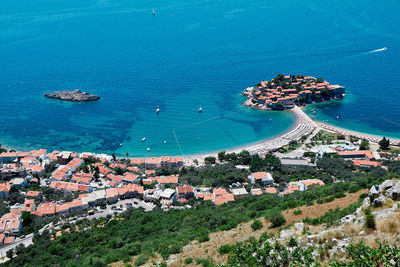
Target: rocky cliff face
72 96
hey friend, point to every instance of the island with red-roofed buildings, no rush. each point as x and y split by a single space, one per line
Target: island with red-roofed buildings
286 91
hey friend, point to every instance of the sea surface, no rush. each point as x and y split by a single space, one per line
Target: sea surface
191 53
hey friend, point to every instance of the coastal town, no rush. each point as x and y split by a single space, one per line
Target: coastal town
286 91
40 187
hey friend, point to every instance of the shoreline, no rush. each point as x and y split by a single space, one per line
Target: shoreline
370 137
265 145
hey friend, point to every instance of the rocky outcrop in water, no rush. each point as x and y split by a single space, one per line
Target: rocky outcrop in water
72 96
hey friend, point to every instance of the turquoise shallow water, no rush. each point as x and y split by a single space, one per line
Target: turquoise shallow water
191 53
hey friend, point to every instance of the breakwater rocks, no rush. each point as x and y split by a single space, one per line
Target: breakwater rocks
72 96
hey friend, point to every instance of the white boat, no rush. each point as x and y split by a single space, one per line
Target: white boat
337 117
143 139
165 141
157 110
148 149
200 109
154 12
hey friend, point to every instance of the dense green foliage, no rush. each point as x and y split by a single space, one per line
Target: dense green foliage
216 175
276 219
109 240
263 253
256 225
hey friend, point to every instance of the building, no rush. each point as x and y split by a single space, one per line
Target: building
70 187
171 162
112 195
8 157
167 197
311 183
271 190
261 177
64 157
19 182
46 209
33 194
239 193
10 224
366 163
152 195
152 163
4 190
137 162
130 177
184 192
297 163
256 191
358 154
74 164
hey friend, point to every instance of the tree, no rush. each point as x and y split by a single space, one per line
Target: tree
384 143
10 253
26 218
113 156
364 145
276 219
210 160
256 225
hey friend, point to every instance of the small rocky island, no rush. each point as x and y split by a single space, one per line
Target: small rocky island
284 92
72 96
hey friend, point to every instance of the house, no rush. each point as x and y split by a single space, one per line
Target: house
150 172
35 169
11 170
130 191
137 162
8 157
4 190
46 209
256 191
184 192
59 175
92 199
358 154
33 194
311 183
19 182
82 178
9 240
171 162
261 177
366 163
74 164
271 190
70 187
152 195
167 197
152 163
10 224
112 195
239 193
130 177
170 179
222 199
29 205
64 157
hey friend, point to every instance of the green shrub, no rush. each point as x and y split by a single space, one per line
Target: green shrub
256 225
141 260
340 195
369 219
203 238
204 262
188 260
276 219
292 242
297 212
224 249
320 201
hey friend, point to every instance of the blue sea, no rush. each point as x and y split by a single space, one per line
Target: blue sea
191 53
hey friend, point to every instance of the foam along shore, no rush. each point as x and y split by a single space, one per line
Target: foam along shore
369 137
303 126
